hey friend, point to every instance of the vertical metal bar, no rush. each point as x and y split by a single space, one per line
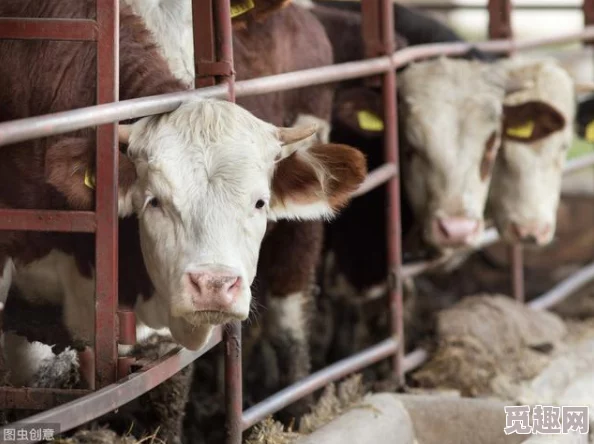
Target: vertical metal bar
106 241
386 24
500 19
500 28
204 49
232 334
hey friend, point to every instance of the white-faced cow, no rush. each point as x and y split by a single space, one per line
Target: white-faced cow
537 133
268 41
196 186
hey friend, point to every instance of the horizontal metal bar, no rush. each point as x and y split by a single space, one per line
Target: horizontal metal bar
564 288
318 380
48 29
578 163
47 220
115 395
376 178
453 7
36 398
489 237
63 122
414 359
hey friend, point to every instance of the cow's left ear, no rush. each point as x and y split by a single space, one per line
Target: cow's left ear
530 121
315 183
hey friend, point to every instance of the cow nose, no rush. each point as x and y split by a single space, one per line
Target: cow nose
215 290
531 233
454 231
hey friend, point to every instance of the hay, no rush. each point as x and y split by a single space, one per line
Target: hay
485 336
102 436
334 401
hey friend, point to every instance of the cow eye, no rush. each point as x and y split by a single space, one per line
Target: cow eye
260 204
154 202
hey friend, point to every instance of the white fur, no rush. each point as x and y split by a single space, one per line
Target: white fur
6 279
23 358
288 314
307 4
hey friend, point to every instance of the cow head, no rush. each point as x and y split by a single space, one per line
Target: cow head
450 114
203 181
537 132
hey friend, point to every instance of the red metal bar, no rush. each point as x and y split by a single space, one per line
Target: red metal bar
106 242
48 29
126 326
47 220
318 380
376 178
204 50
36 398
588 9
232 333
107 399
63 122
500 19
86 359
394 267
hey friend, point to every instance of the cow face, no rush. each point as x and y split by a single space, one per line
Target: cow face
537 132
450 118
208 177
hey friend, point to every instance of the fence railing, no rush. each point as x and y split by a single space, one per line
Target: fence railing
216 48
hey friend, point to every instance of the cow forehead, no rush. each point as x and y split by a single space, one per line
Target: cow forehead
204 129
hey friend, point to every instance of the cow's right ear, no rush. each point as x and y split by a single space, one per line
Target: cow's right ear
359 110
70 169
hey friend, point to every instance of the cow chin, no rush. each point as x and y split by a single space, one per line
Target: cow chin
189 335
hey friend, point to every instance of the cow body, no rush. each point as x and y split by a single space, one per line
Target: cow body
196 186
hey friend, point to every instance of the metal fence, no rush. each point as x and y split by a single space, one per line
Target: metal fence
119 381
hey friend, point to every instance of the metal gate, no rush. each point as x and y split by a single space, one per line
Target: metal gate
118 381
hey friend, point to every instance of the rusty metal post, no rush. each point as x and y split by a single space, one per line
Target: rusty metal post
386 24
500 27
588 9
223 68
204 49
106 241
500 19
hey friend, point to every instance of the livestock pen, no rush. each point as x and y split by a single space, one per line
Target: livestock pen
117 381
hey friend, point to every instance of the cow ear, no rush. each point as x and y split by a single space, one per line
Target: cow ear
316 182
530 121
359 111
70 169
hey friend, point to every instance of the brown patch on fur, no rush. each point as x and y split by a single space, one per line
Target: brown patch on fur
489 156
350 101
344 169
546 119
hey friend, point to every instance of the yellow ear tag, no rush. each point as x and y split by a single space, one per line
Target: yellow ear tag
369 121
523 131
90 179
241 8
590 132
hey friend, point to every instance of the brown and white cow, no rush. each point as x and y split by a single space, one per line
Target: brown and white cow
197 185
268 41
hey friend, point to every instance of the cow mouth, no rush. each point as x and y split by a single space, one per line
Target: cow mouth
212 317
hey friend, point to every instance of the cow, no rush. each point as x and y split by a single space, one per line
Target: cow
287 38
196 185
537 133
